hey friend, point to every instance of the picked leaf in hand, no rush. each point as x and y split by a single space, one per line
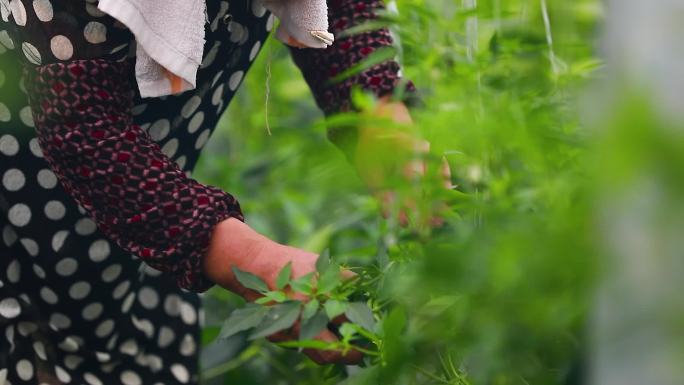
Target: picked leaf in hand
243 319
250 280
360 314
333 308
313 326
284 276
279 317
310 309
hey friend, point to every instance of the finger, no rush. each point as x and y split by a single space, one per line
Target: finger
446 173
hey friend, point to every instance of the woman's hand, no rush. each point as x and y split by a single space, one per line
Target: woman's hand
386 156
234 243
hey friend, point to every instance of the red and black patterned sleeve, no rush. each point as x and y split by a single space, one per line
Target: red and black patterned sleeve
138 197
320 66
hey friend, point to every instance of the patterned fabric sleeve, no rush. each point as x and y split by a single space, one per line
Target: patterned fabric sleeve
319 66
137 196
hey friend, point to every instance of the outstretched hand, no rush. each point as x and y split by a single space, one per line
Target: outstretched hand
388 158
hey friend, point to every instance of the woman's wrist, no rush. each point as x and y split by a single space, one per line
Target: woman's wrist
235 244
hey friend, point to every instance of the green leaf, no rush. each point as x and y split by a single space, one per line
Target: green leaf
302 284
333 308
314 325
347 331
250 280
328 281
279 317
284 276
310 309
323 261
242 319
361 314
275 296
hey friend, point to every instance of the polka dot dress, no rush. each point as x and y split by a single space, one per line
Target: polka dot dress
75 306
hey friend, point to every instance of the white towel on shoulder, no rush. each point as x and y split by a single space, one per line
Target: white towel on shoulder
170 36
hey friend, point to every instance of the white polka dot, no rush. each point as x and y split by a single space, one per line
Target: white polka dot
130 378
188 313
105 328
144 326
48 295
188 346
196 122
154 362
170 147
13 179
159 129
172 305
60 321
69 345
112 341
269 22
91 379
39 348
238 32
103 356
217 95
180 372
14 271
166 336
26 328
5 40
79 290
9 236
94 11
9 308
85 226
47 179
62 375
235 80
111 273
148 297
30 246
8 145
139 109
181 162
66 267
92 311
255 50
9 334
127 303
18 12
26 117
99 250
121 289
258 9
61 47
202 139
71 361
95 32
129 347
191 106
25 370
5 114
216 78
210 57
19 215
43 9
31 53
34 146
39 272
58 239
55 210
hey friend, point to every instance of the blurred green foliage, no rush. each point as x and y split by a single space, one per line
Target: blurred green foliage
498 296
